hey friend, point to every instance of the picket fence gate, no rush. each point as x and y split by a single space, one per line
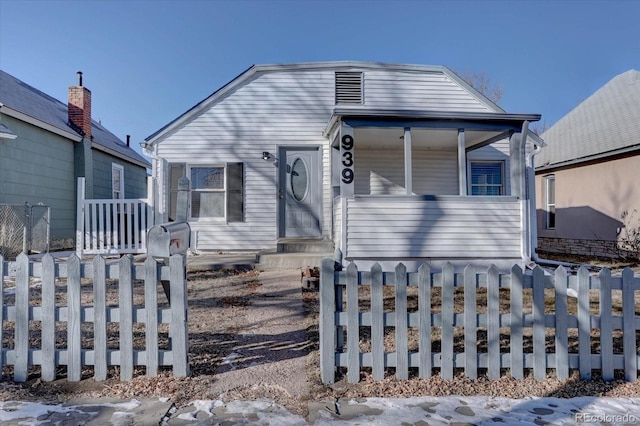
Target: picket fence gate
29 314
340 286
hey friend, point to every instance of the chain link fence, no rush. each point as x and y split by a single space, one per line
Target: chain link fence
23 228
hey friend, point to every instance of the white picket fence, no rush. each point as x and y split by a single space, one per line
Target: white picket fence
539 335
48 334
113 226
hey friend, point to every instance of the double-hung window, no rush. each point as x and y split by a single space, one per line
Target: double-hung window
487 178
117 181
207 192
550 201
216 191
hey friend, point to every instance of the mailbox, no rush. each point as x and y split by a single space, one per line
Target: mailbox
163 241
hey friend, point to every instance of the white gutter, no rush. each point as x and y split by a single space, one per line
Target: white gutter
533 222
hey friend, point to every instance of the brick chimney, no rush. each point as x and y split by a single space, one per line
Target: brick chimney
80 107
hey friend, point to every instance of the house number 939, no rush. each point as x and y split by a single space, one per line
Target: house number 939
347 158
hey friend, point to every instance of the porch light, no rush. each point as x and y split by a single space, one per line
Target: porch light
266 156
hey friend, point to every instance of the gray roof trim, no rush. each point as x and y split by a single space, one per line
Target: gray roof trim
601 156
39 123
344 112
605 122
250 73
119 155
32 106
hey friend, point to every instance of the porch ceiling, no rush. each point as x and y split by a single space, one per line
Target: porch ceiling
391 137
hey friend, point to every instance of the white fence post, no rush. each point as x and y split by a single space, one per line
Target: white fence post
80 217
179 327
327 321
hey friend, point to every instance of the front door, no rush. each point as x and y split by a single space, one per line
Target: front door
299 192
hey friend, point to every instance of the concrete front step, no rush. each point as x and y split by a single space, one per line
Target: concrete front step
275 260
299 245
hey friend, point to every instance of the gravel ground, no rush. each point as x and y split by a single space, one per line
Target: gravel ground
222 308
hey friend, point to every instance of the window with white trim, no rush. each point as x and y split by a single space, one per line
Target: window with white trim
550 201
487 177
117 181
216 191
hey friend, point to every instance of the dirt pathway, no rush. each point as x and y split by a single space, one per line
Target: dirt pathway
261 337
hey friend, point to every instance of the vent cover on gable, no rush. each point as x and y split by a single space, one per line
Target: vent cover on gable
348 87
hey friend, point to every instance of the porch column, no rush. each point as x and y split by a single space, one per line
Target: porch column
346 170
408 168
518 168
462 164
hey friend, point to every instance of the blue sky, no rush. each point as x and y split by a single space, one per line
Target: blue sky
146 62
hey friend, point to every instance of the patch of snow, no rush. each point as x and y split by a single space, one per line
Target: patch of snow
120 418
478 410
13 410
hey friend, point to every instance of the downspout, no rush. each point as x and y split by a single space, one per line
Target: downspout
533 222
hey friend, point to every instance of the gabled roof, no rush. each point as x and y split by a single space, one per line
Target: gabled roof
605 124
251 72
25 99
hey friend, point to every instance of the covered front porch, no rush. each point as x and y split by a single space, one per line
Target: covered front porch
416 186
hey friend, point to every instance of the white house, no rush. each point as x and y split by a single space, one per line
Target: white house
387 162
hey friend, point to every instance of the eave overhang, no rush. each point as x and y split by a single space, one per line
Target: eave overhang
427 119
119 155
39 123
626 151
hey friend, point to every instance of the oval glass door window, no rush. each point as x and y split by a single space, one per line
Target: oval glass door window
299 179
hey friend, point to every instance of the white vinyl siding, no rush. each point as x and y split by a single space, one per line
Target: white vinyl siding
288 108
381 172
394 227
274 109
419 91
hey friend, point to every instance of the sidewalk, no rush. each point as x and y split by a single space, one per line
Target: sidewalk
379 411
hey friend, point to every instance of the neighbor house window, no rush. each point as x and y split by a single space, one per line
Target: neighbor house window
117 181
487 178
348 87
550 201
216 191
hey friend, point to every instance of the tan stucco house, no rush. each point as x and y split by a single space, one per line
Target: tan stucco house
587 178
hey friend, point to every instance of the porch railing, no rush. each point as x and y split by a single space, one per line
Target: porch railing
430 227
113 226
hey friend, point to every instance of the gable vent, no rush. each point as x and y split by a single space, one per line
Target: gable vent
349 88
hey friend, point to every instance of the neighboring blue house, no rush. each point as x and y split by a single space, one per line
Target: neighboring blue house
46 145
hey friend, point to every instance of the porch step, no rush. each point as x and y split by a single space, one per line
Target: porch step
270 259
299 245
